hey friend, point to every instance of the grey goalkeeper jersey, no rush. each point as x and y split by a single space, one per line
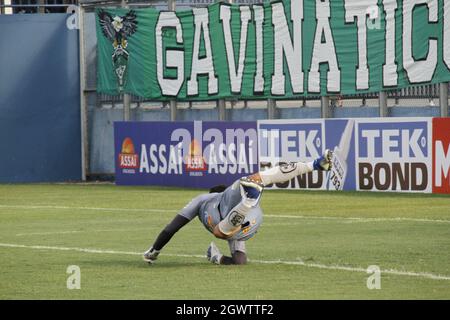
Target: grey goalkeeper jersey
214 207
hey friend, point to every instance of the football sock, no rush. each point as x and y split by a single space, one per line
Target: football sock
167 233
285 172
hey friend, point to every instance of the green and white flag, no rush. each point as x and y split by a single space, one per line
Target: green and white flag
283 49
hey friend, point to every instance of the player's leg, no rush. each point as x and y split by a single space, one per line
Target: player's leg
251 188
289 171
188 213
164 237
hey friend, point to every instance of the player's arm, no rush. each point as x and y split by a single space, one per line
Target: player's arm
237 257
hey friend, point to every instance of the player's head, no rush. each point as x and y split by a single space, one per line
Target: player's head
217 189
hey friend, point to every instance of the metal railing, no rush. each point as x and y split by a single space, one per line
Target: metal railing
32 8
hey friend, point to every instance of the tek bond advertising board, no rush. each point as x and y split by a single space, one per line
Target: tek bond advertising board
393 154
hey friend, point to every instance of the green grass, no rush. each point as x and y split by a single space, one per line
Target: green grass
320 232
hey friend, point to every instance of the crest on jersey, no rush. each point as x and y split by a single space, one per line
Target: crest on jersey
236 218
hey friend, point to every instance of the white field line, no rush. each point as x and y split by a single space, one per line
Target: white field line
348 219
425 275
358 219
39 207
79 231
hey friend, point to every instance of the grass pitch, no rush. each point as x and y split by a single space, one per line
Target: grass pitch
312 245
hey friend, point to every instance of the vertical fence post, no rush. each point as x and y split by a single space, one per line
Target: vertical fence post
382 102
271 109
221 105
325 106
171 5
126 107
83 102
126 96
41 8
443 98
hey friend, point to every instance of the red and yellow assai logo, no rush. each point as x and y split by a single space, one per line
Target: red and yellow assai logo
194 160
128 159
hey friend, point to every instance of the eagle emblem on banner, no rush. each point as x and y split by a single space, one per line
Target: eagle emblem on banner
118 29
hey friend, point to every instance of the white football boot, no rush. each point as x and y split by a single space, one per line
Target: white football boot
213 254
151 255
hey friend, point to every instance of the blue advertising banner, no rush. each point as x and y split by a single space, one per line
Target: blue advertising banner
192 154
283 141
376 154
373 154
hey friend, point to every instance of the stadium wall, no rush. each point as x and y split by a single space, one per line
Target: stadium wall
39 99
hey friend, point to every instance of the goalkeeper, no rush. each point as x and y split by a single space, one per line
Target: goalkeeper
233 213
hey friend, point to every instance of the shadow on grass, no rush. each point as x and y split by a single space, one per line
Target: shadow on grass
138 263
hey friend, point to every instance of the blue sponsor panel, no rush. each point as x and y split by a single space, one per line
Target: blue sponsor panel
284 141
340 139
186 154
394 154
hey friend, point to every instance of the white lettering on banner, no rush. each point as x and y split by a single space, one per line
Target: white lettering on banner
270 141
225 17
287 47
389 143
289 145
144 161
418 70
324 52
230 152
442 163
357 9
370 136
154 158
390 139
174 159
258 12
158 162
446 45
162 169
174 58
232 160
390 76
203 65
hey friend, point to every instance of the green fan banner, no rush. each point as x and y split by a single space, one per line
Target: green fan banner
282 49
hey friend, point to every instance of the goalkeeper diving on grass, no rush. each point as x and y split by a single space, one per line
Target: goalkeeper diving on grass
233 213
